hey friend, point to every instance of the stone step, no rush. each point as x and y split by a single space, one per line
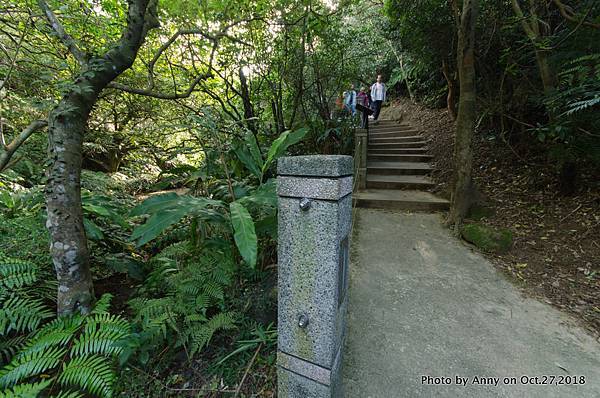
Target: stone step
398 168
399 137
386 122
389 145
376 146
395 133
398 158
391 140
399 151
398 182
399 200
387 127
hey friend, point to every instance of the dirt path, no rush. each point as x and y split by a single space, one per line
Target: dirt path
423 304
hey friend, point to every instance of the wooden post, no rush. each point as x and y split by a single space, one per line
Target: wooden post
360 157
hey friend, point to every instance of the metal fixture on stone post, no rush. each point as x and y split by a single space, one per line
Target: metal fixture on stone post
360 156
315 216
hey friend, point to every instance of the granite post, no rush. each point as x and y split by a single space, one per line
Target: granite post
360 156
315 217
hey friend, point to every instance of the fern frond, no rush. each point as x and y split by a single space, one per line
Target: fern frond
33 363
214 290
221 276
16 273
103 304
57 333
201 335
91 373
25 390
68 394
202 301
100 335
9 347
578 106
152 308
22 314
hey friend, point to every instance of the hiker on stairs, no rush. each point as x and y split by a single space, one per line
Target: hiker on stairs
377 96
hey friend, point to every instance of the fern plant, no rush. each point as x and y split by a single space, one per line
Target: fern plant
182 301
575 105
69 356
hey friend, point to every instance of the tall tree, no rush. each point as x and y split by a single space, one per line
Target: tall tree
66 125
536 30
465 121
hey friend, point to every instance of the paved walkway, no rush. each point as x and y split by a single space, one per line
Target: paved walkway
423 304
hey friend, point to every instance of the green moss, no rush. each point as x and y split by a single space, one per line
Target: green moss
487 238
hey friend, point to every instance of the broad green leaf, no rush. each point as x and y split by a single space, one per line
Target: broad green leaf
246 158
92 231
154 204
295 137
264 195
252 145
156 224
281 144
277 147
244 233
96 209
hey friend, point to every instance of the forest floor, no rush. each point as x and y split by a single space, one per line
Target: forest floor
556 249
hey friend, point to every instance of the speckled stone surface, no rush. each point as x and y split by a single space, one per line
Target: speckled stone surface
315 166
313 244
294 385
314 188
309 258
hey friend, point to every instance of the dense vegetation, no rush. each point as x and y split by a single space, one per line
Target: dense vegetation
138 141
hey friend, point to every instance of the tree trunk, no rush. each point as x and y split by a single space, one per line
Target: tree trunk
451 99
248 109
531 26
406 81
63 196
465 123
66 125
546 73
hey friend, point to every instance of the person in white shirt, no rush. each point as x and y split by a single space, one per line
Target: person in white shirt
377 96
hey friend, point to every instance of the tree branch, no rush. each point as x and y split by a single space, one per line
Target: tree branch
568 14
63 36
11 148
159 95
526 27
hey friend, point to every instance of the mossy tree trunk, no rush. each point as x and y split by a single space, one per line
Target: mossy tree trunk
66 124
465 122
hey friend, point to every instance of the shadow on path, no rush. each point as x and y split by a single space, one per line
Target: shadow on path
423 304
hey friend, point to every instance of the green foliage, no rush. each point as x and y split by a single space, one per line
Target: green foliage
244 232
249 153
167 210
182 301
20 202
74 351
575 105
260 335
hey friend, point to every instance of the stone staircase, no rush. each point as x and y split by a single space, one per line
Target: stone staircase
397 170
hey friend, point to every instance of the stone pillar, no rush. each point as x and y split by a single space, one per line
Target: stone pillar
315 216
360 157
